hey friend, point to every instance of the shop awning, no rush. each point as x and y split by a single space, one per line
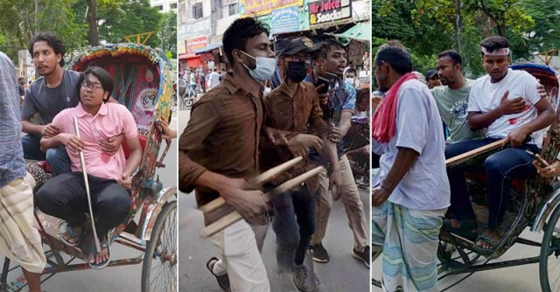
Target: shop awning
186 56
194 62
208 48
359 32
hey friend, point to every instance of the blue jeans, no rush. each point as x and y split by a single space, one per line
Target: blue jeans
292 235
57 157
501 168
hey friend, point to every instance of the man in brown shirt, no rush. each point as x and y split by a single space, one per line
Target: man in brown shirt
219 150
294 107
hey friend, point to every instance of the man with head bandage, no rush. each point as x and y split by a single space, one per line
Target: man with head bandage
508 105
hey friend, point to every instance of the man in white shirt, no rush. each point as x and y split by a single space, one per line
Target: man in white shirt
214 78
412 194
508 104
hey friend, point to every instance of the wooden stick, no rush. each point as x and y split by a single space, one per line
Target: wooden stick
255 182
235 216
84 171
474 152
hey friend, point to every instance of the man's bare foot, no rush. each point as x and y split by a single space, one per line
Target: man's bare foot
99 260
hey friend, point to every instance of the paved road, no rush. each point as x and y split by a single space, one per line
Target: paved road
126 278
342 273
522 278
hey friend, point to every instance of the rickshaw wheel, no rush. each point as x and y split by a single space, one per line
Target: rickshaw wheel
159 270
549 262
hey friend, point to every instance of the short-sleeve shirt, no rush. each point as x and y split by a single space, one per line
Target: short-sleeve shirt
486 96
452 105
48 102
12 165
418 127
342 96
111 120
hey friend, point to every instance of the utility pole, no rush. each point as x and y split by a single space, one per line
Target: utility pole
458 24
36 14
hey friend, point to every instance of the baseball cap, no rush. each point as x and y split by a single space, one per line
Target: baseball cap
297 45
430 74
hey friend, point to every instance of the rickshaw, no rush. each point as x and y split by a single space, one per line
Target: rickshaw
144 84
534 203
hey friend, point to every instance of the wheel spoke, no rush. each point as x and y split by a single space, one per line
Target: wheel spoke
162 273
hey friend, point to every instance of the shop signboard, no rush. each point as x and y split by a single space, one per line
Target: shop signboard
196 43
262 7
324 11
285 20
198 28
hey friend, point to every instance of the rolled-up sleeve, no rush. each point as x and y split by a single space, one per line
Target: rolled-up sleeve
204 118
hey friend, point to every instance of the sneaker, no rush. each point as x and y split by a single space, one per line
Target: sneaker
303 279
319 253
362 256
223 280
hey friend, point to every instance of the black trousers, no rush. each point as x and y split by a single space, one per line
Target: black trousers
64 197
294 224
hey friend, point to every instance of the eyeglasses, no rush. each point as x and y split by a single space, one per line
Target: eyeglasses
92 86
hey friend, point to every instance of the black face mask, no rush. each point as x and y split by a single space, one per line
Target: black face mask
297 71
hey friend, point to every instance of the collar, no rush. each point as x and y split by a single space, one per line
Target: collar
291 92
81 112
232 87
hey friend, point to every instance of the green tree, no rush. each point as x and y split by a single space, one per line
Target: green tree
462 24
168 34
20 20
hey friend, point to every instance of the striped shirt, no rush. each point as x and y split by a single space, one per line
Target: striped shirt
12 165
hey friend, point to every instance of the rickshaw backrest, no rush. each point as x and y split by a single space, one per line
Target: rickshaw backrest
141 77
551 146
143 140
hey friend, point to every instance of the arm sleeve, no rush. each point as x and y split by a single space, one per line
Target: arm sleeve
64 122
204 118
130 129
29 108
473 105
412 120
531 93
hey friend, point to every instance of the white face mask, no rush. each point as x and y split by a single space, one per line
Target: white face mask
264 69
349 81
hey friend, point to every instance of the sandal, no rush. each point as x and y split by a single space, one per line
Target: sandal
92 251
466 228
73 237
489 240
223 280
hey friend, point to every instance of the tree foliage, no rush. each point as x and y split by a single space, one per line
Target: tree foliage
428 27
168 34
68 19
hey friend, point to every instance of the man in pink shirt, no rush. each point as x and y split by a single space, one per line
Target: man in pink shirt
109 176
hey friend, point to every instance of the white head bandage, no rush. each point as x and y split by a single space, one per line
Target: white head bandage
496 52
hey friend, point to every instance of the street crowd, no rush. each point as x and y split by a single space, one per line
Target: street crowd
249 124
